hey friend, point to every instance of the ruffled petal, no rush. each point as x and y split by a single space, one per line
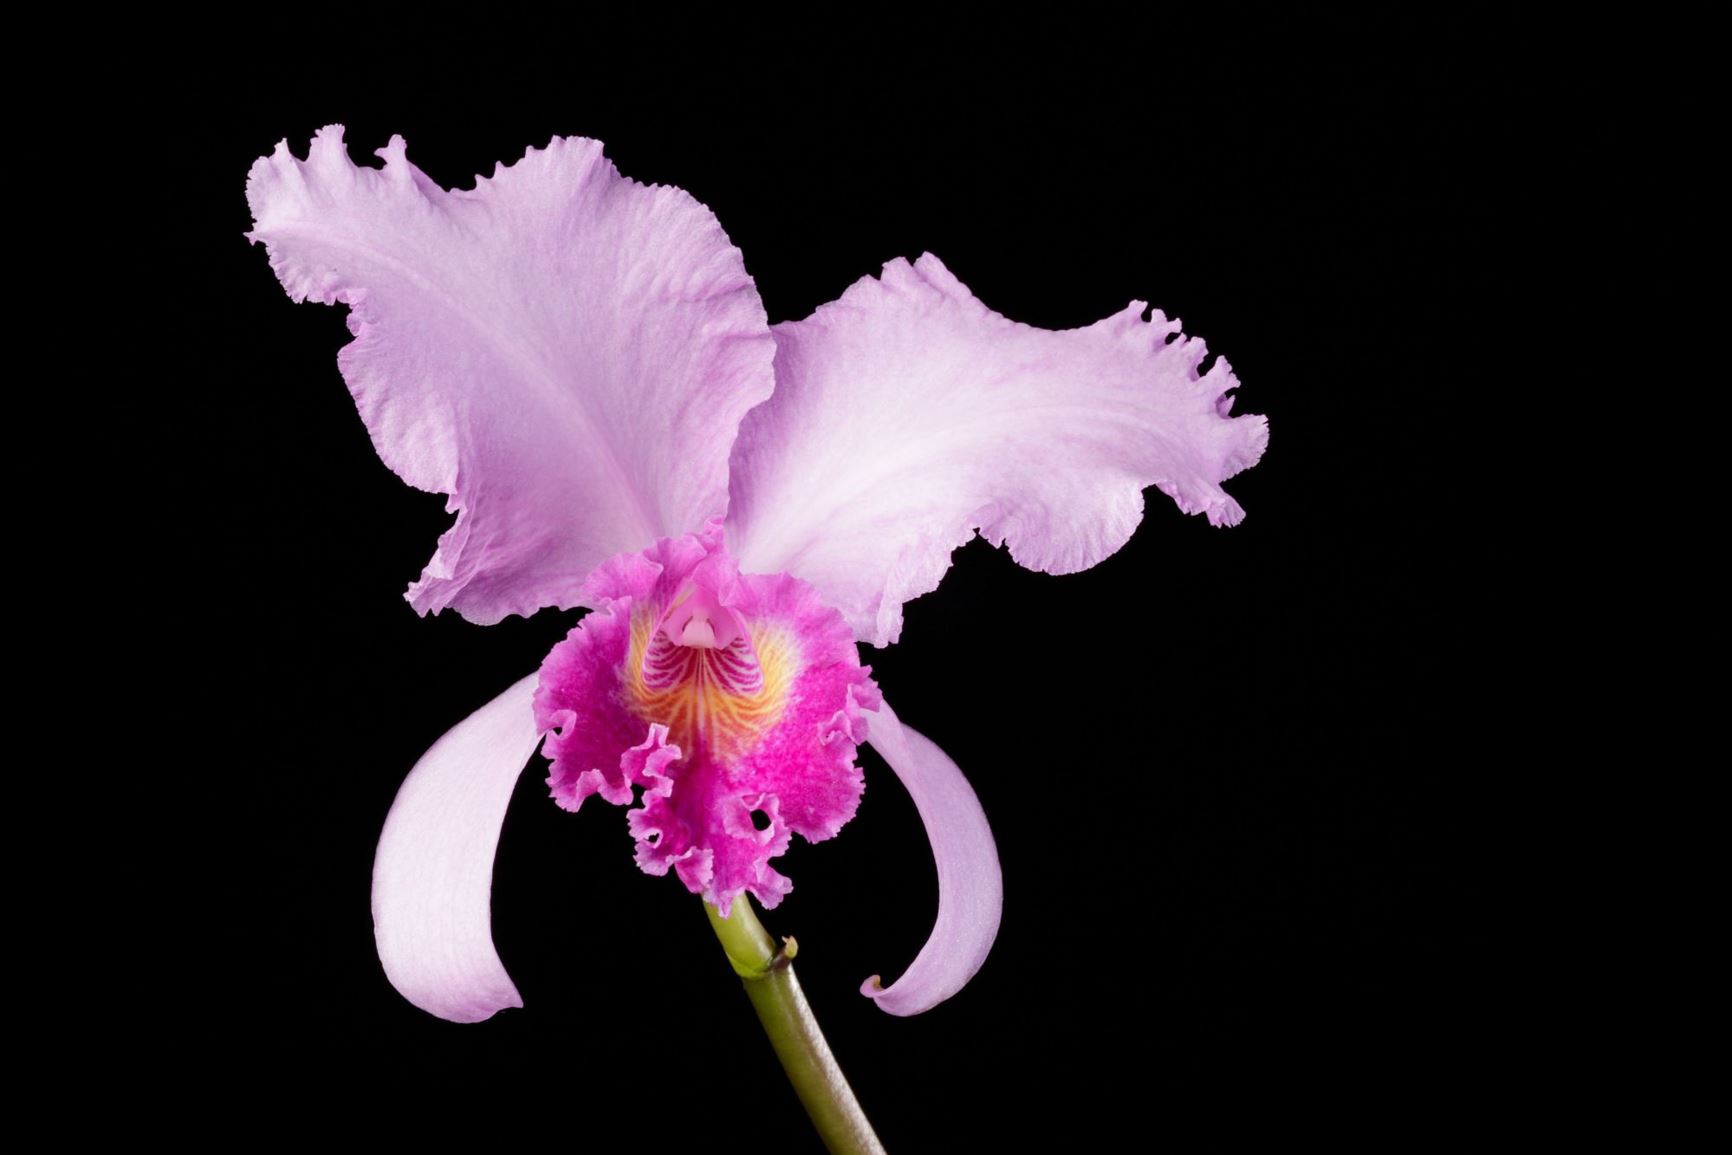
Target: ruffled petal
564 352
433 875
907 415
970 885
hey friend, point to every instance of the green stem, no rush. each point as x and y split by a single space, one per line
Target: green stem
768 975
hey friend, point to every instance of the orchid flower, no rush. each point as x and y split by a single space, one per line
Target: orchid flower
583 365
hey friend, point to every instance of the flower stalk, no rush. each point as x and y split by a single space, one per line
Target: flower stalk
767 972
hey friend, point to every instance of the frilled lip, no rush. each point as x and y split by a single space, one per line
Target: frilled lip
754 741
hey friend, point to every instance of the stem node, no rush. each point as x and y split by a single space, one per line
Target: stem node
767 973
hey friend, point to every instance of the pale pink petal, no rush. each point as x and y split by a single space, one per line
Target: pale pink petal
735 747
565 352
970 886
433 874
907 415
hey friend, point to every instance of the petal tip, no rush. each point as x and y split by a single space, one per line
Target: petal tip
1227 514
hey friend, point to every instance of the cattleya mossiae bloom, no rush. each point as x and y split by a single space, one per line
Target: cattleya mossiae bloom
584 366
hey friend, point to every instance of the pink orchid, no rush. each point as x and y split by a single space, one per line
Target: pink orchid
583 365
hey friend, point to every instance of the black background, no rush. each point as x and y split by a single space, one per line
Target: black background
1227 895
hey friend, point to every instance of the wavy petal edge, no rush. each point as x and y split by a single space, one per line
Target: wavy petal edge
563 352
908 416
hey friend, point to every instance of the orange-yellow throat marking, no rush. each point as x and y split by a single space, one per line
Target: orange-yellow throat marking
701 712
